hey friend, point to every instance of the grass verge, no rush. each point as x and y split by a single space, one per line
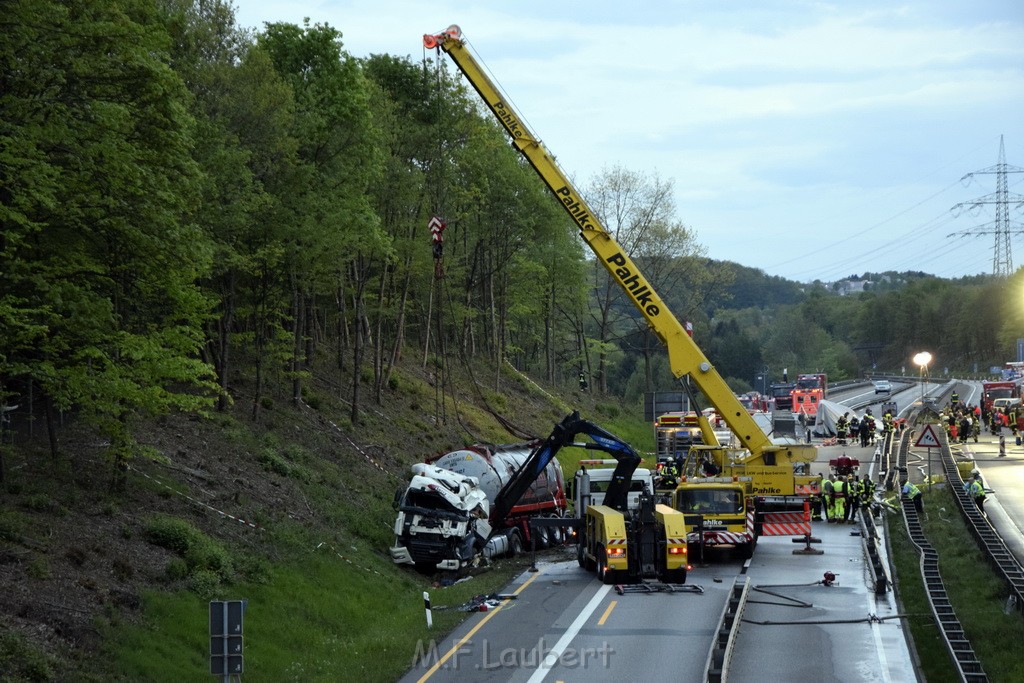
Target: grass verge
977 593
309 621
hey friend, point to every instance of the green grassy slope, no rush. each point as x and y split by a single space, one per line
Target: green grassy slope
292 512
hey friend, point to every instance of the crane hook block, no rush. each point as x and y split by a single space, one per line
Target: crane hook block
432 40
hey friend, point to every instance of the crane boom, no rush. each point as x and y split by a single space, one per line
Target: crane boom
685 357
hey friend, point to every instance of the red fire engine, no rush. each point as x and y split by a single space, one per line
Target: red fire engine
990 391
808 393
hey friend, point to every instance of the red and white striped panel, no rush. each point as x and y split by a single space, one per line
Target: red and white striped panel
677 541
616 541
720 538
785 524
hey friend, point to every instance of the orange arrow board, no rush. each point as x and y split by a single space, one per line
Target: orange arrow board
928 438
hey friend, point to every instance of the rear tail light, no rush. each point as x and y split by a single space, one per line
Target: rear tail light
617 552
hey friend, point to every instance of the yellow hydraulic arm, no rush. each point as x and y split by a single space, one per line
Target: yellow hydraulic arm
685 357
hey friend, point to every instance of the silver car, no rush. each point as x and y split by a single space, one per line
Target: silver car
882 386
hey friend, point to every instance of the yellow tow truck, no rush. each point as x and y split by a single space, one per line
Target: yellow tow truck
784 469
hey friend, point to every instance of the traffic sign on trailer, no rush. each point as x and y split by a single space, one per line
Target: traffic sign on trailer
928 438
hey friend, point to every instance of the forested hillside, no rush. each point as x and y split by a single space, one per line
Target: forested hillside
202 224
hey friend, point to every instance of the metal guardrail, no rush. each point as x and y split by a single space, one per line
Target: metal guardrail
871 540
960 650
959 647
989 541
716 669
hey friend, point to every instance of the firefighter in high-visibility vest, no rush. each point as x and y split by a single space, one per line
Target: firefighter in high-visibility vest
977 491
853 498
867 491
887 423
839 488
816 507
995 423
842 427
830 501
914 494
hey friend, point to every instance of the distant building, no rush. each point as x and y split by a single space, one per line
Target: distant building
847 287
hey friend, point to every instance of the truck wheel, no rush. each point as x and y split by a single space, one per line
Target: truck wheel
515 544
747 550
580 556
555 536
606 575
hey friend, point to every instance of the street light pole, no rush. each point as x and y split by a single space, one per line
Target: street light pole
922 360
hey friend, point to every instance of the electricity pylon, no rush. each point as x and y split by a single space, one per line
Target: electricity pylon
1001 227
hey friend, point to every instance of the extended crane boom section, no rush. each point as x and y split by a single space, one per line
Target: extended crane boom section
685 357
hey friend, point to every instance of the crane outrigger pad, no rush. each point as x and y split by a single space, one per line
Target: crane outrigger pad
644 587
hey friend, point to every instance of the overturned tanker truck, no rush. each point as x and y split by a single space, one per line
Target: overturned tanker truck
446 514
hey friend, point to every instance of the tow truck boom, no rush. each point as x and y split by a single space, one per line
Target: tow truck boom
562 436
685 357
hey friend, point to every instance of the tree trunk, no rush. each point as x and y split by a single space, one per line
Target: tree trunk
361 331
396 349
343 339
378 342
51 426
549 341
296 360
434 284
224 324
311 330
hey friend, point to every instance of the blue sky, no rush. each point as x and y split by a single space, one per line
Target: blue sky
813 140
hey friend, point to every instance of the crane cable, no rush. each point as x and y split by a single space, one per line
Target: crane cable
437 226
509 426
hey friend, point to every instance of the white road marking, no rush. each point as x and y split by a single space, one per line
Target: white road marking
556 652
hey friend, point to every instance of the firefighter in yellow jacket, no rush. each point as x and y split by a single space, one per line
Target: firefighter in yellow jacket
839 490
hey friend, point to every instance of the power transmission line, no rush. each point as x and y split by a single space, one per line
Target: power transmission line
1001 227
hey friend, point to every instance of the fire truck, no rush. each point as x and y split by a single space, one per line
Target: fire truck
808 394
606 533
990 391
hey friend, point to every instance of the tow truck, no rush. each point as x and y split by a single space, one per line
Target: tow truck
623 543
782 468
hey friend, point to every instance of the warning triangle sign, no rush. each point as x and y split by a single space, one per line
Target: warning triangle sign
928 438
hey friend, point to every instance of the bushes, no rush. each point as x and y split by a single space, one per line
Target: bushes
205 560
12 525
21 661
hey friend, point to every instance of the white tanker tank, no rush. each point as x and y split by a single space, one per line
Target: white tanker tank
493 466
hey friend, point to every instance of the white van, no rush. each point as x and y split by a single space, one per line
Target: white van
1004 404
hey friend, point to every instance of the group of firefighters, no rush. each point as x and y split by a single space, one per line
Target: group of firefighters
854 428
841 497
963 421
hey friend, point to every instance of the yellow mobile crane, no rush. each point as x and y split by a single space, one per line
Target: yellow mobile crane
769 469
